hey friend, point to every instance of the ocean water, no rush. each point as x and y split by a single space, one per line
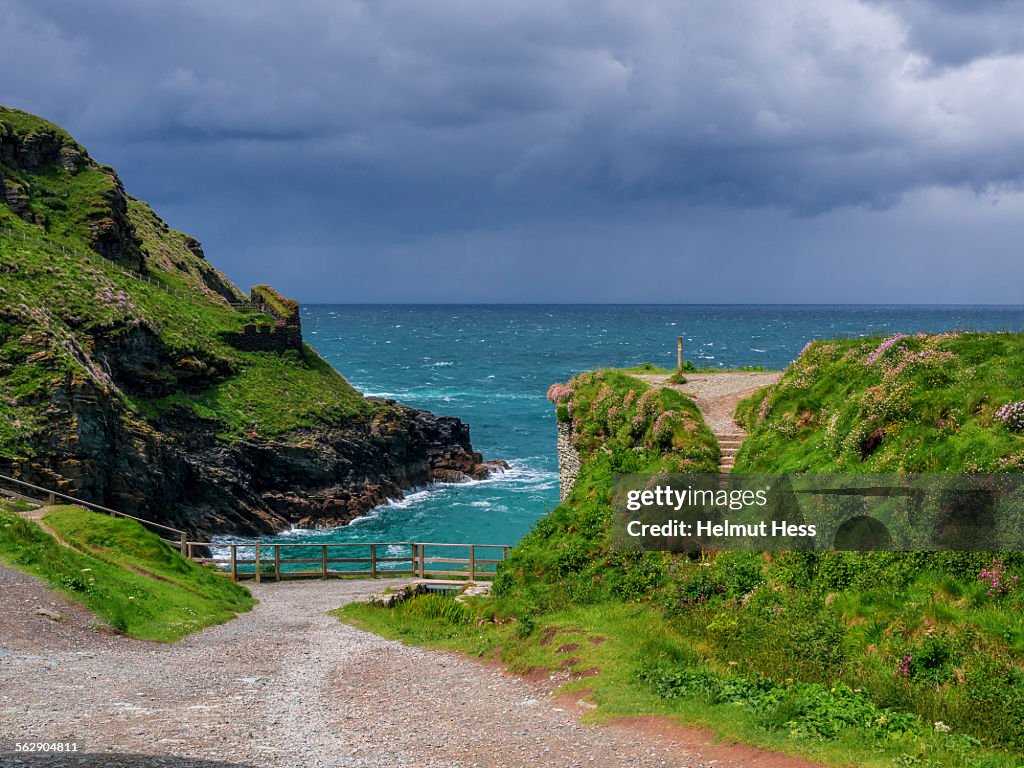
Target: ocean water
492 365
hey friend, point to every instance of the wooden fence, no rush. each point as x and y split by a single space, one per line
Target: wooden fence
259 561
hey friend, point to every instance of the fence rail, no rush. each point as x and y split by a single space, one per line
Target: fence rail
258 560
39 495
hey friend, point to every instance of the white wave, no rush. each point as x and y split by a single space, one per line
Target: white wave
442 364
758 350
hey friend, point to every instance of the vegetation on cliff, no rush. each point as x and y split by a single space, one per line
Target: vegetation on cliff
134 374
878 659
925 403
123 573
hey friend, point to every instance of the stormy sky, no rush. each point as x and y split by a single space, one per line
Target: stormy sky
557 150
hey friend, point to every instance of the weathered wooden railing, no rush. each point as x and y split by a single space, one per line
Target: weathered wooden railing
260 560
37 495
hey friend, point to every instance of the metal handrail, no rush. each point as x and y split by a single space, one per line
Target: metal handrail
52 496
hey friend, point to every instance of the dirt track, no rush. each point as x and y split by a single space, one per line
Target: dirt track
287 685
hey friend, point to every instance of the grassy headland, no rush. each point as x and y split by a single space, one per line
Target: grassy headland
902 404
135 375
123 573
870 659
64 307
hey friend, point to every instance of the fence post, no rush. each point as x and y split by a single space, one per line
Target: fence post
323 562
51 498
373 561
257 562
472 562
234 562
277 562
184 545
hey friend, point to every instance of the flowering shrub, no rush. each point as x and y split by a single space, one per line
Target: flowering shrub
763 410
560 393
994 576
647 405
884 347
663 427
1012 415
903 667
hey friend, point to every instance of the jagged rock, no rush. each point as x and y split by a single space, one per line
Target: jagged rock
100 426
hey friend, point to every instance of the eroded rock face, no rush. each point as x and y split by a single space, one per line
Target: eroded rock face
180 474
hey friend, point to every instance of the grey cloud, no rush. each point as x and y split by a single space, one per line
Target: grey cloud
801 105
349 127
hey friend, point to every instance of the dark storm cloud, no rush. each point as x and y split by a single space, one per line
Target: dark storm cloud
352 125
952 33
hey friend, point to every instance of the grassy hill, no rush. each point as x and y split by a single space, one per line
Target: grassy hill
876 659
135 375
123 573
62 309
902 404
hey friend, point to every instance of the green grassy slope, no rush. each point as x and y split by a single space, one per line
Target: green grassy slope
903 404
120 571
62 304
875 659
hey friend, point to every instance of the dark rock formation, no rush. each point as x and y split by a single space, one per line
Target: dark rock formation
182 475
113 390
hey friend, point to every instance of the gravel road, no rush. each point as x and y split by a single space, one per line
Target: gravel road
285 685
717 394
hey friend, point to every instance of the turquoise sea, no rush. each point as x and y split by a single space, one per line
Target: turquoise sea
492 365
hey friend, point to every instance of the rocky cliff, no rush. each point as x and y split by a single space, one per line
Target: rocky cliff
135 375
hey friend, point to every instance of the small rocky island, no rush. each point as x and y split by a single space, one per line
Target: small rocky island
135 375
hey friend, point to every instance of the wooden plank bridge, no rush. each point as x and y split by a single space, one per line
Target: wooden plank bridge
275 561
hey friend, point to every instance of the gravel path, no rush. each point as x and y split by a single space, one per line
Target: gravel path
286 685
717 394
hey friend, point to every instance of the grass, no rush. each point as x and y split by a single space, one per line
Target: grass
62 304
631 660
121 572
867 659
924 404
690 367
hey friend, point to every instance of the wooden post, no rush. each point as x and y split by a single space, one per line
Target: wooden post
472 563
234 562
184 546
188 546
679 355
323 562
52 498
277 562
412 558
373 561
257 562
